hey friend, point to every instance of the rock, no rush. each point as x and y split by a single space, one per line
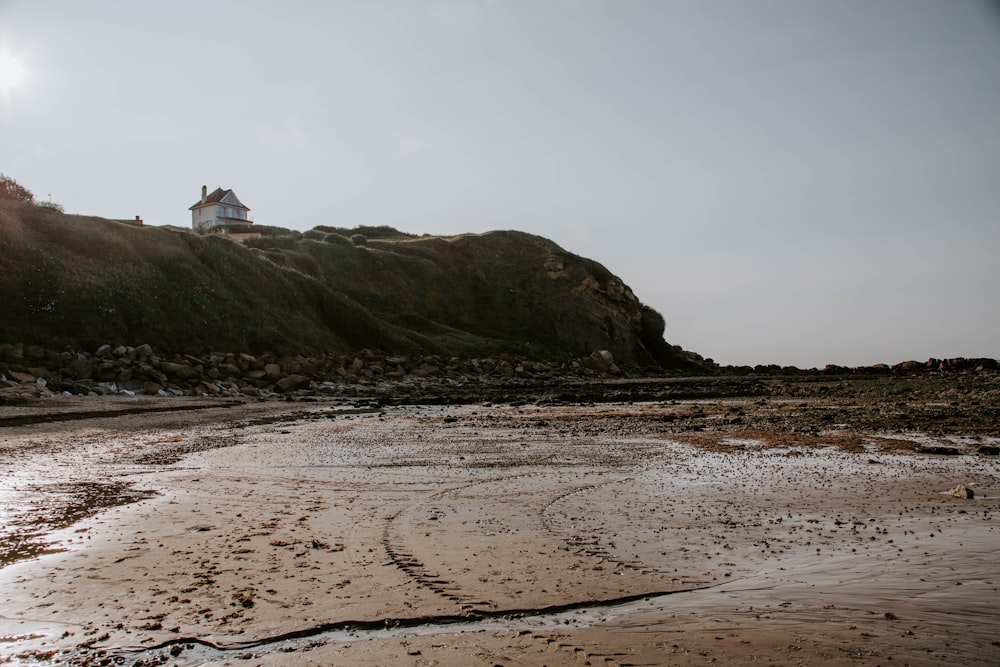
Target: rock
147 372
23 378
600 360
21 394
292 382
272 372
177 370
144 350
961 491
80 369
291 365
13 353
908 366
206 387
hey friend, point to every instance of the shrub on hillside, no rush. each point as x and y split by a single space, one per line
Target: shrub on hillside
11 190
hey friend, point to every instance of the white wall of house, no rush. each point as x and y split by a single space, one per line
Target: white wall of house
203 218
216 214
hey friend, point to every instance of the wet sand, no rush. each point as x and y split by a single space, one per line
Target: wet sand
338 533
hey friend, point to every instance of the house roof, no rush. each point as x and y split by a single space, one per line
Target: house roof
220 196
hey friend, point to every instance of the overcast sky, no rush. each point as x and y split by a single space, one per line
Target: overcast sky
788 181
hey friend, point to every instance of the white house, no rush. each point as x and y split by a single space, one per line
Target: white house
222 207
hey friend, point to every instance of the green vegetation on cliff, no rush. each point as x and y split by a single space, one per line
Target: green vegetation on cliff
81 281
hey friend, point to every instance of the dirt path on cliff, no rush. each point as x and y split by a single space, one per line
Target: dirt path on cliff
287 534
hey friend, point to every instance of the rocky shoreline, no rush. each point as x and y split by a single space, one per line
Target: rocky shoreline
32 371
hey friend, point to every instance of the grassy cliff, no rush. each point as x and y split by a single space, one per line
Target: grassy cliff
79 281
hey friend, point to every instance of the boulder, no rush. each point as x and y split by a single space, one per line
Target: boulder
908 366
13 353
600 361
173 369
151 388
292 382
147 372
23 378
206 387
21 394
80 369
291 365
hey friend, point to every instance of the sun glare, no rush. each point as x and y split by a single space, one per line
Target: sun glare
12 72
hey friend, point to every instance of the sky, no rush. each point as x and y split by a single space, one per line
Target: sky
792 182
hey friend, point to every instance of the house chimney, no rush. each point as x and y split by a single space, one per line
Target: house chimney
204 194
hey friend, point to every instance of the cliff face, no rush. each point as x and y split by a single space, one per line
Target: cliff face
76 281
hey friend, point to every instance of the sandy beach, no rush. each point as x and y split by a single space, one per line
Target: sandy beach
351 533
